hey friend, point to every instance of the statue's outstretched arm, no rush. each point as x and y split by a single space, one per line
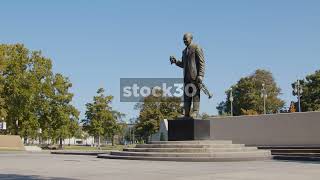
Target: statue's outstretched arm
179 63
173 60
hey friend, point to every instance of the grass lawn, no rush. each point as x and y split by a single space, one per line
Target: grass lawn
4 149
88 148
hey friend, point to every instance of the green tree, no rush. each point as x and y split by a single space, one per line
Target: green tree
17 86
21 80
121 132
32 96
43 77
247 95
101 120
154 109
310 97
204 116
292 107
64 114
74 130
115 125
3 112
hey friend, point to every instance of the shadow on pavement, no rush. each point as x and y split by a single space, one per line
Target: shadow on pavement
28 177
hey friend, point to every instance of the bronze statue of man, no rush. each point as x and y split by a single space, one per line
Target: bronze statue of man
193 65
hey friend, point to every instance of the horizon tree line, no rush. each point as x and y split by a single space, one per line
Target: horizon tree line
248 100
36 103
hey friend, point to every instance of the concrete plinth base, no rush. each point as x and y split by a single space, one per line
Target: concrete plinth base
190 140
185 129
190 151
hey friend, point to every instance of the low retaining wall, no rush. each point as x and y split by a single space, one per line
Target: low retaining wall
8 142
292 129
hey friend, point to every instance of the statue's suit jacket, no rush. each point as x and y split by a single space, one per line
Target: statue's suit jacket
192 62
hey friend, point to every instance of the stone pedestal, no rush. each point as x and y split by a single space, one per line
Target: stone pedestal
186 129
190 140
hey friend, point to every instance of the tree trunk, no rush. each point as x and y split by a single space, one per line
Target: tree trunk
92 141
112 140
99 142
25 141
39 140
60 144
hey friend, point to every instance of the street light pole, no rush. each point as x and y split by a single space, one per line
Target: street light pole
231 102
39 133
298 90
3 125
133 135
264 96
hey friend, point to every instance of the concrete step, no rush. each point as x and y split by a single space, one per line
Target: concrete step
298 154
295 150
187 159
257 153
189 145
193 142
296 158
191 150
290 147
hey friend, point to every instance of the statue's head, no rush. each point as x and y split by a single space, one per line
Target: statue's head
187 38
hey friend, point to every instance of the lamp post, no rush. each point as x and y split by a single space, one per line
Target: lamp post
298 90
2 124
264 96
133 136
231 102
17 125
39 134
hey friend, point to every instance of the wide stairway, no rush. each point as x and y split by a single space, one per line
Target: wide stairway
215 150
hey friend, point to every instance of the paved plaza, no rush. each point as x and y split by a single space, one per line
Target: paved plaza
67 167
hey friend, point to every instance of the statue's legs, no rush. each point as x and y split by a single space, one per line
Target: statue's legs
190 98
187 105
196 104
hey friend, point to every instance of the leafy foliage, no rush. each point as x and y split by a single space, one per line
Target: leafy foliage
152 110
3 112
249 112
247 95
64 114
204 116
32 96
310 99
292 107
101 120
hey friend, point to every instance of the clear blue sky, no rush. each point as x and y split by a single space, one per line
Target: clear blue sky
95 43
